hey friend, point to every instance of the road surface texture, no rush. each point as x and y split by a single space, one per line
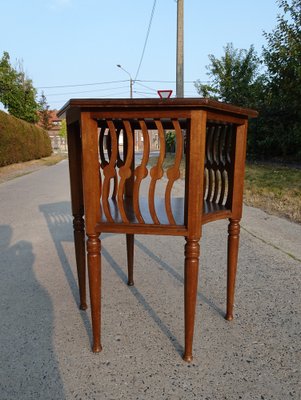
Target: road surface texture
45 340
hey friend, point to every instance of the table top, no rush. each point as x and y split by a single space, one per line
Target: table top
193 103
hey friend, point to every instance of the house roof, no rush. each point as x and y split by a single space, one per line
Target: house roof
54 120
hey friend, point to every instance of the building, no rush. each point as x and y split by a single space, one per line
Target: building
58 142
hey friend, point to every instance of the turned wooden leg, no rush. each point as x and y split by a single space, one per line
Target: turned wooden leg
80 254
130 258
233 242
192 253
94 268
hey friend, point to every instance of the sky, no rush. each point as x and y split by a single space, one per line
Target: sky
68 43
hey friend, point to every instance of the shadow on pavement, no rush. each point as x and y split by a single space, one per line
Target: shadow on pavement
29 368
59 221
176 275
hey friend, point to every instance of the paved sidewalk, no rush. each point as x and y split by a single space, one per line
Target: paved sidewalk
45 340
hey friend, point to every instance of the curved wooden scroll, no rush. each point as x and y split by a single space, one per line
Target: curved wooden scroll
173 173
141 171
216 164
222 162
125 170
120 161
230 138
218 161
103 161
109 171
156 173
209 161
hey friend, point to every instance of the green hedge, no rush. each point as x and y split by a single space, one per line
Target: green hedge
21 141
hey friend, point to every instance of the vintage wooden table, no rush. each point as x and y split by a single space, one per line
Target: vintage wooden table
106 184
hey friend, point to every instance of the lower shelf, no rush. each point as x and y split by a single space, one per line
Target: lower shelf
114 222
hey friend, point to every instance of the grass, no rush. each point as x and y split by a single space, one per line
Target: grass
12 171
273 188
53 159
167 163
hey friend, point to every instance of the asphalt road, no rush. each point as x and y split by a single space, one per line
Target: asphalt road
45 340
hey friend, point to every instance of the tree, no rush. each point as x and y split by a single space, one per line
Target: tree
63 129
8 81
44 113
170 139
282 56
234 78
17 92
276 94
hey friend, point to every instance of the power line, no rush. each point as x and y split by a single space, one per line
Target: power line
140 92
110 82
86 91
160 81
82 84
104 97
147 34
147 87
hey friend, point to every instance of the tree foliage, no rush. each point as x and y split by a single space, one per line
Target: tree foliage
44 113
282 57
21 141
234 77
17 93
237 78
63 129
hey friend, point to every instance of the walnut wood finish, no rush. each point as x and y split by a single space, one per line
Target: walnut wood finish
106 184
74 145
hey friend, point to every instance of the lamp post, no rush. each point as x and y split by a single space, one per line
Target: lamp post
131 80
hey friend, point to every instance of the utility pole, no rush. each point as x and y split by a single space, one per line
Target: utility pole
180 49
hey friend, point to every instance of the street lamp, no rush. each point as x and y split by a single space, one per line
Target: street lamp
131 80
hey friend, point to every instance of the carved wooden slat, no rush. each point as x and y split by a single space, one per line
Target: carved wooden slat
103 161
101 188
218 161
221 147
229 149
215 145
228 145
109 170
173 173
156 173
206 179
125 170
211 184
216 164
141 171
217 185
224 174
109 155
120 161
209 139
129 184
209 161
224 188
